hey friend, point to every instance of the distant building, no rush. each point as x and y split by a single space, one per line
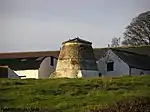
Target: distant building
76 59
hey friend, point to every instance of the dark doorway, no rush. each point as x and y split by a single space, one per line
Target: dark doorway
100 74
110 66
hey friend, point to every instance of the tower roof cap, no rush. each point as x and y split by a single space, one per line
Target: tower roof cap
77 40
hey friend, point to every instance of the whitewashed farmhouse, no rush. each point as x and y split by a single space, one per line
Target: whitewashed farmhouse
118 62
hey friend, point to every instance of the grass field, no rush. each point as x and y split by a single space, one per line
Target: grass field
71 95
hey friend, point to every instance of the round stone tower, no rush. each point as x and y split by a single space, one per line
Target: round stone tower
76 59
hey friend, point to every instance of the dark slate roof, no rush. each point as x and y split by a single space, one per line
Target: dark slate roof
134 60
144 50
77 40
99 52
21 63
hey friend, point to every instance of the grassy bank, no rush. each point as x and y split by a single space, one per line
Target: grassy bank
69 95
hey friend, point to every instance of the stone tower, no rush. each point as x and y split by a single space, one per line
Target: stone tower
76 59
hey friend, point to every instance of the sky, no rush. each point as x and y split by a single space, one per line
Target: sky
42 25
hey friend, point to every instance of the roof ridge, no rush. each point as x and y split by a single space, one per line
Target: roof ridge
4 66
129 52
27 52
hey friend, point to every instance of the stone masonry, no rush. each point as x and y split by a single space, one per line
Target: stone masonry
76 59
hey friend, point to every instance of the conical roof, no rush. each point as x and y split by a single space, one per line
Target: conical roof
77 40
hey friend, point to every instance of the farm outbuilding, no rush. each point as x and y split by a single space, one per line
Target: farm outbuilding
30 64
118 62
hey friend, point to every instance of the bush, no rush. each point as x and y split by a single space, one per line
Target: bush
136 104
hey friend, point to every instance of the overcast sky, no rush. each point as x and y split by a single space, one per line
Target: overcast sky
36 25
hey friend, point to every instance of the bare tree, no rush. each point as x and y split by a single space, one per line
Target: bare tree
115 42
138 32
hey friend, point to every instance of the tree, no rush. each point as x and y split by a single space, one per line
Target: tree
138 32
115 42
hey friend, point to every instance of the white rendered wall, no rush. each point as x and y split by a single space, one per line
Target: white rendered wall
28 73
12 74
120 67
88 73
46 69
135 71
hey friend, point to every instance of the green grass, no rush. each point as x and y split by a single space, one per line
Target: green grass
69 95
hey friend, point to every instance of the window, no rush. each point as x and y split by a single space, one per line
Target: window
82 48
110 66
141 73
23 60
52 61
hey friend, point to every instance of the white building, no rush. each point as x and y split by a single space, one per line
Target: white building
40 67
118 62
30 65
